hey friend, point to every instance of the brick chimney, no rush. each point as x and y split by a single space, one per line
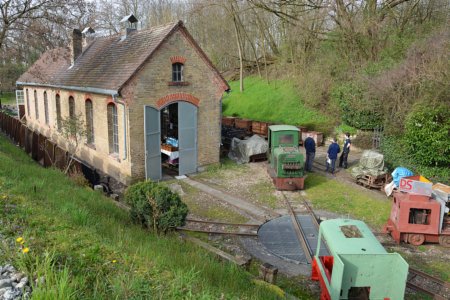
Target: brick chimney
88 36
76 46
130 22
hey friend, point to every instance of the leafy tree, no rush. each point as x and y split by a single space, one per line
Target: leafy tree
74 132
427 135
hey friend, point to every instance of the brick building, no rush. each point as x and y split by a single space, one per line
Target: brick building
149 98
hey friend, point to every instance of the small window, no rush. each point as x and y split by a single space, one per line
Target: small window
28 103
46 107
419 216
58 111
71 107
286 139
113 129
177 72
89 122
36 105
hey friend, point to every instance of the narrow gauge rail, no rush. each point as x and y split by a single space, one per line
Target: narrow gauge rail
220 227
422 282
298 229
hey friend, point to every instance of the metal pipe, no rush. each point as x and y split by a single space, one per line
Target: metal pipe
125 152
74 88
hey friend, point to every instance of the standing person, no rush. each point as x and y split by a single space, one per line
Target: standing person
333 151
310 149
345 152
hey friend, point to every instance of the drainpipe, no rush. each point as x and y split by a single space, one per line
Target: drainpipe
114 96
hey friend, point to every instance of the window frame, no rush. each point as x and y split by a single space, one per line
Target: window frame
58 111
28 102
177 74
89 111
36 106
71 107
113 128
46 108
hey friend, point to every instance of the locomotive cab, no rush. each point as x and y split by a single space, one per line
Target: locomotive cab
286 162
358 266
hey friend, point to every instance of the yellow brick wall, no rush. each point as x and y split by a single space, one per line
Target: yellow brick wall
151 84
98 157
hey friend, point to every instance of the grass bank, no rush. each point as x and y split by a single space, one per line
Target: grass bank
8 98
338 197
86 247
276 102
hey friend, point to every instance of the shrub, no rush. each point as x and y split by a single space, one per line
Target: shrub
427 136
155 206
357 111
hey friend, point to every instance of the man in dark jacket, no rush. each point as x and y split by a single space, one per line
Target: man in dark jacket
345 152
310 149
333 151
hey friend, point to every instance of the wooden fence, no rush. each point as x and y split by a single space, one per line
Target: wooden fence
41 149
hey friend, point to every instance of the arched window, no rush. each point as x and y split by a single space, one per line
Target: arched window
89 121
71 107
36 104
58 111
28 103
46 107
177 72
113 129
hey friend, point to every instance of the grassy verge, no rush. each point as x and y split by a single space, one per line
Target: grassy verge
275 102
334 196
8 98
86 247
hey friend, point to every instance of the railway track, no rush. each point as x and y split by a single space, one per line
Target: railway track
422 282
298 228
220 227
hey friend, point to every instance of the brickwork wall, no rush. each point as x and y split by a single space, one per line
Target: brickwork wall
152 83
97 156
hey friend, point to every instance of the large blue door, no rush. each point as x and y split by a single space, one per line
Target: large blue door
187 137
152 143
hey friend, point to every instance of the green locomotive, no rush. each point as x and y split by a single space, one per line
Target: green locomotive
286 162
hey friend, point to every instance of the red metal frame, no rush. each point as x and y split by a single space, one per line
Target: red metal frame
316 275
398 225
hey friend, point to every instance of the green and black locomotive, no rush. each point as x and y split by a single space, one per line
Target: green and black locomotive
286 162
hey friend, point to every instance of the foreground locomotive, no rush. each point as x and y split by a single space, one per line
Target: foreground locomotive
286 162
358 266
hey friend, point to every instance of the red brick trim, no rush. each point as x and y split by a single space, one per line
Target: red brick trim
164 101
178 83
87 96
178 59
109 100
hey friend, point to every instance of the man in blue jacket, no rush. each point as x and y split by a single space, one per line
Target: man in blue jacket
333 151
310 149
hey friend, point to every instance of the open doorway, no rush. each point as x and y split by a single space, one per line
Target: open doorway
169 140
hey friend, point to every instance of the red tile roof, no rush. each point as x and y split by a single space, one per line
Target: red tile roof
107 63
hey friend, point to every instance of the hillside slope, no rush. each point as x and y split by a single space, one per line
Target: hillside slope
276 102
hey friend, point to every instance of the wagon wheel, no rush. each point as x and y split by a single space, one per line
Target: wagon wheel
444 240
416 239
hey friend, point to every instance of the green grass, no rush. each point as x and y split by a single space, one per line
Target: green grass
88 248
276 102
341 198
8 98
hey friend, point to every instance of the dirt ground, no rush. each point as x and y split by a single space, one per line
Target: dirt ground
252 183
